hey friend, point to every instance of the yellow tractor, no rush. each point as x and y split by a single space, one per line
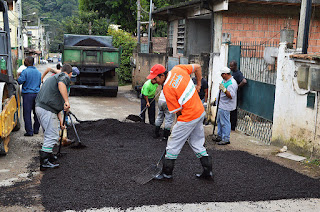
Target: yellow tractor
9 88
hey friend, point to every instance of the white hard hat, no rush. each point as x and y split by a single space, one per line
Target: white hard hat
225 70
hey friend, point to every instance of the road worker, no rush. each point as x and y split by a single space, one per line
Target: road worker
183 99
148 92
50 101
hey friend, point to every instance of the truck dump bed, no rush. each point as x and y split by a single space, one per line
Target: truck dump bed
96 60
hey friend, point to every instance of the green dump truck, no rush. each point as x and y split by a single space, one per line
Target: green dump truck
96 59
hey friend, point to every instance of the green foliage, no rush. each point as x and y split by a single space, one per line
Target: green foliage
124 12
127 43
79 24
55 11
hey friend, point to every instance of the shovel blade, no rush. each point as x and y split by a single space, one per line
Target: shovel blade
147 175
134 118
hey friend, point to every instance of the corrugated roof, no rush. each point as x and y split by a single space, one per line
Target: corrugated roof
315 56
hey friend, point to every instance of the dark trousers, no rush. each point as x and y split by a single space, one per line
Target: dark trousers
151 110
233 119
28 106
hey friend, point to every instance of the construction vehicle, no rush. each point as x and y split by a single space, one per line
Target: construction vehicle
9 88
96 59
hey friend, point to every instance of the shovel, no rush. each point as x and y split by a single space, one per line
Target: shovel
59 153
214 137
136 118
77 144
149 173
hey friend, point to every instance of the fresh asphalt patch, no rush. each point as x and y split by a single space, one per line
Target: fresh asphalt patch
101 174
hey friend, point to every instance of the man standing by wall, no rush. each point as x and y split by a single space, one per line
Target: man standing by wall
182 99
238 76
148 91
227 102
51 100
30 78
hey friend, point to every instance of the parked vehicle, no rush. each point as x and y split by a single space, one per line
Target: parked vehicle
96 60
43 61
9 89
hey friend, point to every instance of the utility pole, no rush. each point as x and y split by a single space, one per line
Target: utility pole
304 24
20 37
40 35
90 28
149 28
138 25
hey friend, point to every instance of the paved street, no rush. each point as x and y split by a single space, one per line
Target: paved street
14 167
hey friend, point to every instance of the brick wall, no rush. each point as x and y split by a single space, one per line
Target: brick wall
159 43
262 28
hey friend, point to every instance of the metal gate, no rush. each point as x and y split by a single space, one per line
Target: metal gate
256 99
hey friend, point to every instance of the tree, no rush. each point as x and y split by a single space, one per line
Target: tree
127 43
79 24
122 12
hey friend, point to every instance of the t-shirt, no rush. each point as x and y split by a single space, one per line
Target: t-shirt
225 102
238 76
181 94
149 89
21 68
204 86
49 97
30 78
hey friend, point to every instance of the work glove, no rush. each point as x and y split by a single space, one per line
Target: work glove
222 88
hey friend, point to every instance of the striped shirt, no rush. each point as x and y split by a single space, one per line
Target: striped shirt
181 94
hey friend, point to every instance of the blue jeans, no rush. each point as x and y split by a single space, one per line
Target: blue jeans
224 125
151 110
28 107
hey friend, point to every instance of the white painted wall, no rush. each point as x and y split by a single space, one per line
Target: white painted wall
293 123
217 61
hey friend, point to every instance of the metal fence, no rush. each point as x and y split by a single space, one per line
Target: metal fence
254 67
252 63
254 125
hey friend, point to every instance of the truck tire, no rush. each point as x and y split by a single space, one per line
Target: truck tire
18 112
112 81
4 145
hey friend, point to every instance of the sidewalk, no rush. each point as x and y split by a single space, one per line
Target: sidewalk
242 142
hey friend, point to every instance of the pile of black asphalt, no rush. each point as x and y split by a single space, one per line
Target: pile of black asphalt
101 175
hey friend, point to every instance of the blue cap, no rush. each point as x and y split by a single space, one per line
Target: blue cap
75 71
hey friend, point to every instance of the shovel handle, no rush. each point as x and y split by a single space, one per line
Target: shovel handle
163 154
215 118
63 123
154 98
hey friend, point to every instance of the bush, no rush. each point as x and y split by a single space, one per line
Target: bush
127 43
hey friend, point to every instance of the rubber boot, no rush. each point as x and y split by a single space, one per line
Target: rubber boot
166 134
156 132
52 158
167 169
45 161
206 162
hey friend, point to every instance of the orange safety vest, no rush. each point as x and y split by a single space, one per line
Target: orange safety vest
181 94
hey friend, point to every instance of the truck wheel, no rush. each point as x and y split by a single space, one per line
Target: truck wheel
111 81
4 145
18 125
18 112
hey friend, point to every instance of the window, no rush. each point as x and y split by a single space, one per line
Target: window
170 35
180 37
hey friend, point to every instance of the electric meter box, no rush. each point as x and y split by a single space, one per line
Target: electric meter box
314 79
303 77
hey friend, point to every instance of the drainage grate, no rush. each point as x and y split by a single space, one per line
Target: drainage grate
254 125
